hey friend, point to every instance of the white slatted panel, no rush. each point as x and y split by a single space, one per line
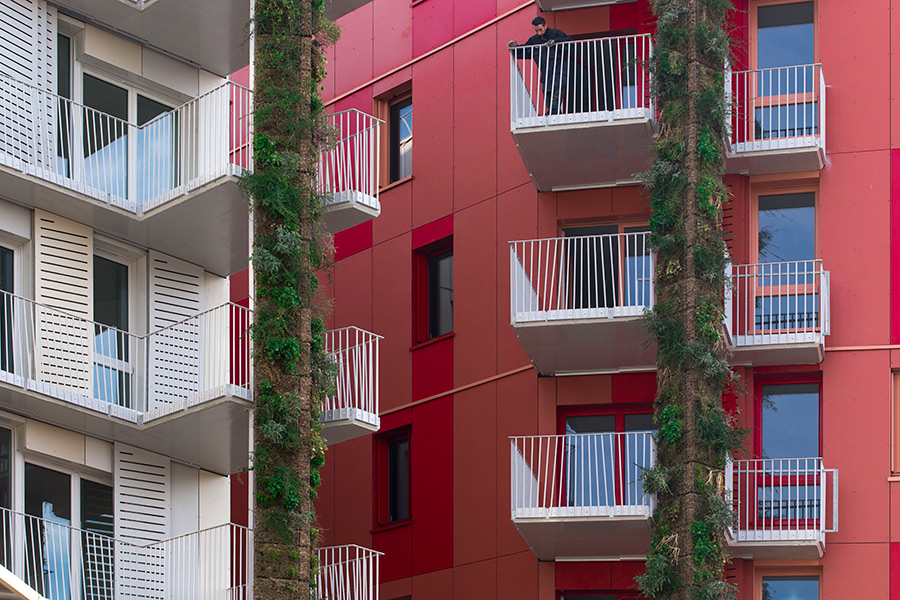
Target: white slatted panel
63 262
44 78
176 294
18 54
142 490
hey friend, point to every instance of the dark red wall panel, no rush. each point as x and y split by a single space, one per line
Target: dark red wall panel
432 25
432 368
633 387
350 241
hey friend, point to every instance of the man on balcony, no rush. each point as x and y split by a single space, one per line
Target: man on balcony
552 62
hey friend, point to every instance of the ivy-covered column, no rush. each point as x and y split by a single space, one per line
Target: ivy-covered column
687 552
290 368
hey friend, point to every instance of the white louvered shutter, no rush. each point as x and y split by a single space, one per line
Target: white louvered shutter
63 266
176 295
27 67
142 490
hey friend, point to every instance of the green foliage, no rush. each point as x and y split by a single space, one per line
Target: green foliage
670 423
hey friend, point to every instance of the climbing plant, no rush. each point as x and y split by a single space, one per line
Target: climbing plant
292 371
687 553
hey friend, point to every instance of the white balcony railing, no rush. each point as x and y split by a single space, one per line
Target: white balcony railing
587 277
348 171
776 109
777 303
133 167
62 562
782 500
347 573
132 377
581 81
581 475
356 392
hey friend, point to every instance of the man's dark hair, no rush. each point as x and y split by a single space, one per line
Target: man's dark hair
538 21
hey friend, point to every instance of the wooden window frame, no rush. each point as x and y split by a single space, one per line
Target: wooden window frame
382 110
753 25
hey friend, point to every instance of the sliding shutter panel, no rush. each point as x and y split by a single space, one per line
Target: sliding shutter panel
142 491
176 298
64 292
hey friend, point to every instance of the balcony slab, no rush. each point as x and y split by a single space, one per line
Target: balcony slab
774 546
210 432
587 346
587 154
576 538
548 5
348 209
348 423
207 225
766 162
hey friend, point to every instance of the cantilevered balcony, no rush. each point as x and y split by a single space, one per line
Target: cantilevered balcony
348 170
777 120
581 112
347 573
183 390
170 183
777 313
548 5
580 495
783 507
50 558
353 409
577 302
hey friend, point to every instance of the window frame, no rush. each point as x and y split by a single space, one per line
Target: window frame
381 109
754 27
381 506
895 422
393 157
784 571
422 258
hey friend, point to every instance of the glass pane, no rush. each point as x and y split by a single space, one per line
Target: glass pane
790 421
401 140
638 271
156 149
64 91
590 463
105 136
48 501
6 497
96 542
112 372
398 479
440 294
593 266
785 35
790 588
6 310
787 227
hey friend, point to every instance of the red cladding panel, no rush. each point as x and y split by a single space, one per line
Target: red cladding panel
350 241
240 499
895 246
432 25
397 547
633 387
431 468
623 574
624 16
574 576
353 52
432 368
895 571
432 232
391 314
469 14
239 286
393 34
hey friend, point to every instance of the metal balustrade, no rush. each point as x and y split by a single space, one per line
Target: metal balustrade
347 573
348 170
782 500
777 303
133 167
581 81
581 475
588 277
355 351
61 562
775 109
133 377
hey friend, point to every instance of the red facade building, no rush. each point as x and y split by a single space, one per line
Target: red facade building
510 265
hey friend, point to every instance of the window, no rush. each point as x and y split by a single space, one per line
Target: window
6 310
785 35
790 421
112 370
434 290
401 139
790 588
393 481
895 420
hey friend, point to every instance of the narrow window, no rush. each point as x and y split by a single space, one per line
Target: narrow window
157 145
6 310
785 35
105 136
440 294
112 371
48 506
64 116
401 139
398 479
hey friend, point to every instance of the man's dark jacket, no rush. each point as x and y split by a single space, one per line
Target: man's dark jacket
548 59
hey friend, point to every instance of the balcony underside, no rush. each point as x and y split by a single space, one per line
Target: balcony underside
752 161
347 209
778 545
584 155
572 538
348 423
207 225
805 349
209 33
547 5
587 346
211 432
